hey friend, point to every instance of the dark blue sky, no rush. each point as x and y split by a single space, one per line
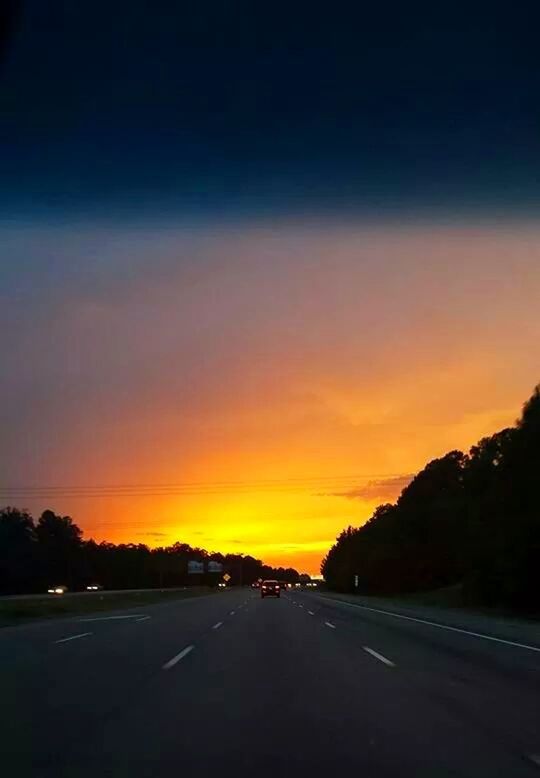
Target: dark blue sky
241 106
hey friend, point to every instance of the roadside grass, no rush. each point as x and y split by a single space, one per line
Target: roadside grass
17 611
446 597
451 598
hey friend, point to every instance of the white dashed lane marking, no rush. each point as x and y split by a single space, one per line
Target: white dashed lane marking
218 625
378 656
329 624
73 637
178 657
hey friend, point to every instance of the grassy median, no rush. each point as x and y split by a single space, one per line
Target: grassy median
52 606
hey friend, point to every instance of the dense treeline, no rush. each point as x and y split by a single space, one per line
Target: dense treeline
471 519
52 552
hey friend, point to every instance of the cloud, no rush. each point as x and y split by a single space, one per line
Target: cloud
380 489
128 360
154 534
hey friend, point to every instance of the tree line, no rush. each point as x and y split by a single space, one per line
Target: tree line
467 518
35 555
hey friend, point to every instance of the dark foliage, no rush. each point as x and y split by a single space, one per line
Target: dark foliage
469 518
35 556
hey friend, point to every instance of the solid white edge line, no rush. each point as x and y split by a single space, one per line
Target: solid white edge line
73 637
440 626
218 625
171 663
329 624
143 618
378 656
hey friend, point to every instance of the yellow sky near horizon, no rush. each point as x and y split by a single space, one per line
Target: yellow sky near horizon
290 524
287 355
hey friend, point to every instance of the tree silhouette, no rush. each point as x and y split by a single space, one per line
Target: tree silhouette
35 557
59 541
469 518
17 549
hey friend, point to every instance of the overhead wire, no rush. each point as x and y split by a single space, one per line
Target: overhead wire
192 488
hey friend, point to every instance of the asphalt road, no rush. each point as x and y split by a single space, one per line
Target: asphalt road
230 684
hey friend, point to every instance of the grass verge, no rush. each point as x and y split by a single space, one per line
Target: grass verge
18 611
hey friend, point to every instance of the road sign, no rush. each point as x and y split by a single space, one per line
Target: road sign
215 567
193 566
226 577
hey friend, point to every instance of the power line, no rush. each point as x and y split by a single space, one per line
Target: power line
192 488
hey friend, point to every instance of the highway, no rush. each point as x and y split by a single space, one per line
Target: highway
299 686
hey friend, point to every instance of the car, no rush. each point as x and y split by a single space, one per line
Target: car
95 587
57 590
270 589
222 585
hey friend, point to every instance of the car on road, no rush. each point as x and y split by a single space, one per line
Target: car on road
270 589
94 587
57 590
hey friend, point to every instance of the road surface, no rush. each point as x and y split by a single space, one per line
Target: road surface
230 684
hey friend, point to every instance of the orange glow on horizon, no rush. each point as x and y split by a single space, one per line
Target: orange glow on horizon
291 354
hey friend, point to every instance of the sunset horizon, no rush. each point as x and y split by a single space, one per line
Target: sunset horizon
270 313
260 246
255 405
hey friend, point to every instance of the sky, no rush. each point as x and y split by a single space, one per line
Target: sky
259 265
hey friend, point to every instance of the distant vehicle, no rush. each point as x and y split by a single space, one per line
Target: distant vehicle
94 587
57 590
255 585
270 589
298 585
222 585
283 585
